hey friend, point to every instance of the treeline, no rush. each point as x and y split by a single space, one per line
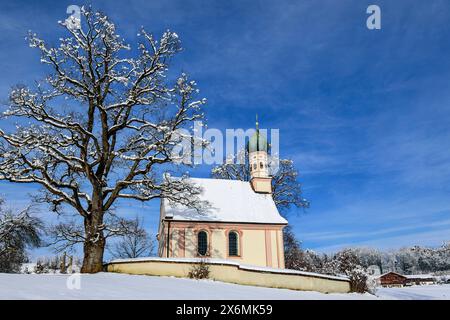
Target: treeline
411 260
22 231
57 264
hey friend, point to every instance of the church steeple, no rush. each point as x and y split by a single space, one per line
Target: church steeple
258 141
259 162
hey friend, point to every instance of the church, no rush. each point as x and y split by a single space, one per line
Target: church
241 223
239 235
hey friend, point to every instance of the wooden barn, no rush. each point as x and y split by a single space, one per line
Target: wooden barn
392 279
420 279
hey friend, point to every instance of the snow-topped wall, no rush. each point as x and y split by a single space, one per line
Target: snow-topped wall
226 271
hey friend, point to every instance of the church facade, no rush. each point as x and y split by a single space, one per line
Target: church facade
241 223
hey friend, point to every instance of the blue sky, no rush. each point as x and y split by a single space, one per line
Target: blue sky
364 114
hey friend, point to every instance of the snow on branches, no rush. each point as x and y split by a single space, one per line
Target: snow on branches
101 124
17 232
286 189
128 116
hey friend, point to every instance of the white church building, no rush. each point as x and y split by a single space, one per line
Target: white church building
239 235
241 223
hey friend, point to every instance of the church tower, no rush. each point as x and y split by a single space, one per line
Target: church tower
258 148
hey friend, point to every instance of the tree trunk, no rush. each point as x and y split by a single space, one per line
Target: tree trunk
94 245
62 267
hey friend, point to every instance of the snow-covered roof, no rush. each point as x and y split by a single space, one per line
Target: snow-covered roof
229 201
392 272
419 276
411 276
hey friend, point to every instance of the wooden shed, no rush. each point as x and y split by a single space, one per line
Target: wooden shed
392 279
420 279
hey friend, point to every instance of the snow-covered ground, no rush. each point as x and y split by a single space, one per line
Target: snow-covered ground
121 286
426 292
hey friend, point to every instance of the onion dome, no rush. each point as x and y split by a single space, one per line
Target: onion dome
258 141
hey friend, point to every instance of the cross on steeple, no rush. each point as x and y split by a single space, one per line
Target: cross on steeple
259 162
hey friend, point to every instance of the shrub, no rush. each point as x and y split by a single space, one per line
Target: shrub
42 266
199 271
358 280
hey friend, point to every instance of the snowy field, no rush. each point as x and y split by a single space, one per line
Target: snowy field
121 286
429 292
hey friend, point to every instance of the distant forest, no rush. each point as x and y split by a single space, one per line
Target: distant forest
411 260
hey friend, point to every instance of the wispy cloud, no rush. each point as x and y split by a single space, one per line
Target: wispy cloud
363 114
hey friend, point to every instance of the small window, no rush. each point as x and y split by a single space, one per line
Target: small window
202 243
255 166
233 244
261 165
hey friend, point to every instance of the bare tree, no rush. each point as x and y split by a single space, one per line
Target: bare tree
293 253
66 235
101 126
137 242
232 169
286 189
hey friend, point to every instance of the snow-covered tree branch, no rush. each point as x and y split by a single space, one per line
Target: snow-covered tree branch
136 242
17 232
99 126
286 189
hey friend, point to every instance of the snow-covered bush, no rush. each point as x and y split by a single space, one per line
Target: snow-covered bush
199 271
18 231
41 266
346 262
358 280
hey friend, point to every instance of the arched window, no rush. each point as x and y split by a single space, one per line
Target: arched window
202 243
255 166
261 165
233 244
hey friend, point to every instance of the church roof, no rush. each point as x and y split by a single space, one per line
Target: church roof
229 201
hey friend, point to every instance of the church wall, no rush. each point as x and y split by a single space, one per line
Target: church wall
260 245
190 243
218 244
175 243
253 247
273 238
281 248
162 240
263 185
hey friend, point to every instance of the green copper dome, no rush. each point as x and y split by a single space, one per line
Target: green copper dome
258 141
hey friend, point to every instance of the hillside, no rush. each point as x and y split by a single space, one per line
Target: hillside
121 286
